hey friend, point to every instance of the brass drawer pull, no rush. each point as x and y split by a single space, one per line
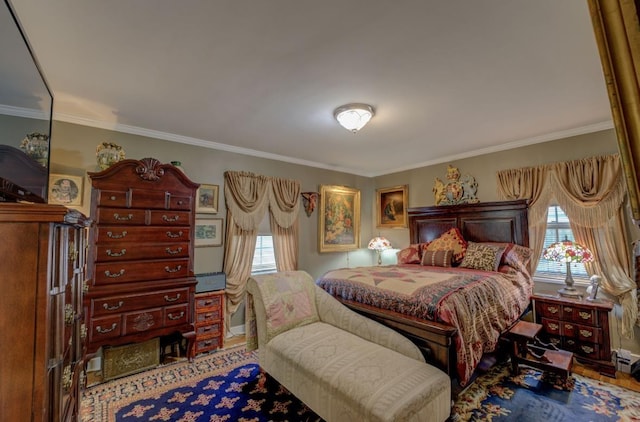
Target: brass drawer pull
173 270
112 198
83 331
552 309
553 326
67 377
172 299
587 349
585 315
127 217
170 252
208 302
173 318
112 235
114 275
106 330
174 235
68 314
568 326
180 202
568 309
170 219
586 333
109 252
114 307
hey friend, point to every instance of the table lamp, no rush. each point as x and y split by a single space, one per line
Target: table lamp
379 244
569 252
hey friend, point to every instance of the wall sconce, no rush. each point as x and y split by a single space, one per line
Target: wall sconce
309 200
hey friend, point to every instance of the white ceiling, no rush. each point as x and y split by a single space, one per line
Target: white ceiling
448 79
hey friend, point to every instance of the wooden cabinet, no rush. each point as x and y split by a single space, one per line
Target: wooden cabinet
43 274
209 321
579 326
142 282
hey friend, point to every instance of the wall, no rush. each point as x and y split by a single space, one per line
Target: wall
73 152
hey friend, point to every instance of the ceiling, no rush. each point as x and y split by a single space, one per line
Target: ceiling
448 79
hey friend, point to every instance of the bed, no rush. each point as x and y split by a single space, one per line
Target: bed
454 314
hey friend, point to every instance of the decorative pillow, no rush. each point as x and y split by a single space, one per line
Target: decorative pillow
441 258
450 240
410 255
483 257
515 256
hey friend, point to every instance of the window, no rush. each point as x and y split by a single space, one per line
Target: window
557 229
264 258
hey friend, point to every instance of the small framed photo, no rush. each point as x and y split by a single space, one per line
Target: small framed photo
339 227
208 232
391 207
65 189
207 199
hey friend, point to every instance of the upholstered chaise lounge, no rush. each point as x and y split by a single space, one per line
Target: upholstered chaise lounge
344 366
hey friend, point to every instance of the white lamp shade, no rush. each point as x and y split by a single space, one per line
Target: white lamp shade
379 244
353 117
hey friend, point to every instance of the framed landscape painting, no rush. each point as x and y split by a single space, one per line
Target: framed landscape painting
339 226
207 199
391 207
208 232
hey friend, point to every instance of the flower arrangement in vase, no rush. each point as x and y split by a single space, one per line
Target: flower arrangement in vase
36 146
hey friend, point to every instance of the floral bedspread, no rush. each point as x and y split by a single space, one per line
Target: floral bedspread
479 304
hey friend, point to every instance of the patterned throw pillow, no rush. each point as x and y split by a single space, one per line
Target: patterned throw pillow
515 256
450 240
440 258
410 255
482 257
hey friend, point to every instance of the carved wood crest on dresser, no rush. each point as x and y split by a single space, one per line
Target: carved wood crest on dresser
141 263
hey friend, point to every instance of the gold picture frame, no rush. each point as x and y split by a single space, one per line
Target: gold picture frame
391 207
208 232
207 199
65 189
339 226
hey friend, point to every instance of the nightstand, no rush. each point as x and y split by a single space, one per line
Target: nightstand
209 308
579 326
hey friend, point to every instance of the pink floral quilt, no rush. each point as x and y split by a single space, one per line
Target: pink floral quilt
481 305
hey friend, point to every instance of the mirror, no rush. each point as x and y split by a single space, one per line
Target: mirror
25 116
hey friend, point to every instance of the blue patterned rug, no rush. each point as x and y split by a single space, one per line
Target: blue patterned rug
227 386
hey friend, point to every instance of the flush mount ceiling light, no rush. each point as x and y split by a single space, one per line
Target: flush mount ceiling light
353 116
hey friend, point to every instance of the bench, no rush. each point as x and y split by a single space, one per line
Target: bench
343 366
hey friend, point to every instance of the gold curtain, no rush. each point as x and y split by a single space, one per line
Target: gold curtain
615 25
248 197
591 192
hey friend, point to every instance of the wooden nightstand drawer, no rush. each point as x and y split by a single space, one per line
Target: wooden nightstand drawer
209 330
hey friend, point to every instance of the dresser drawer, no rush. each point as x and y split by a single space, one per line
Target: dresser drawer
549 310
121 216
209 316
589 350
128 252
578 314
204 345
143 320
105 328
109 234
169 218
125 303
209 301
176 315
208 330
112 198
128 271
552 326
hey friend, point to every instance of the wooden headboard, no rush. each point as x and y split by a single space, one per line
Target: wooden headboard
505 221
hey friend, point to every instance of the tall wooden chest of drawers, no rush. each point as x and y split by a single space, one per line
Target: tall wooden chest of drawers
579 326
209 321
142 254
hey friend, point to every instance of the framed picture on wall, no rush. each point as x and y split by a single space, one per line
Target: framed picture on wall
339 226
391 207
207 199
208 232
65 189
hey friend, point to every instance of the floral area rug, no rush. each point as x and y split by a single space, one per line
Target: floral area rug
535 396
224 386
228 386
